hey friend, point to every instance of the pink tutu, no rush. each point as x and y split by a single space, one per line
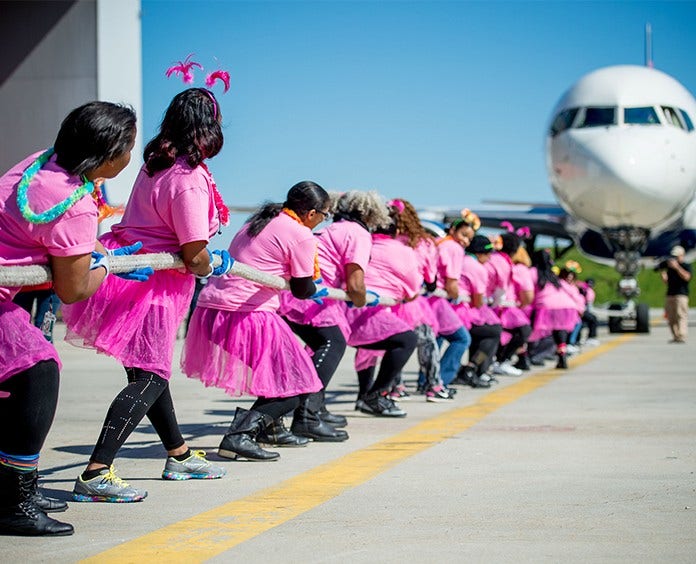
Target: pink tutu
365 358
252 353
548 320
307 312
373 324
416 312
512 317
134 322
22 344
447 319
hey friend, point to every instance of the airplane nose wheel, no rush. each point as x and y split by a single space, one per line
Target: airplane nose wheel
635 318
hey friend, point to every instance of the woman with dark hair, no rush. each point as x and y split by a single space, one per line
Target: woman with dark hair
557 305
174 207
344 250
94 141
481 321
237 341
509 293
450 262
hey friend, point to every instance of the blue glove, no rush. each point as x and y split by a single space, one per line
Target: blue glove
99 260
372 298
141 274
125 251
226 264
317 296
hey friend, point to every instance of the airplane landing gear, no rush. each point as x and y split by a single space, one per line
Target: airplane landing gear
628 318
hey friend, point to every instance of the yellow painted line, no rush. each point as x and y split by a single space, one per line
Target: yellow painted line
208 534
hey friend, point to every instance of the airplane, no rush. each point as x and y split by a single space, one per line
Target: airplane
621 160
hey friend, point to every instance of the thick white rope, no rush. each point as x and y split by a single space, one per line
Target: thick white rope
14 276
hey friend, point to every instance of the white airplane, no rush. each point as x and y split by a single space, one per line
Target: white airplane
621 159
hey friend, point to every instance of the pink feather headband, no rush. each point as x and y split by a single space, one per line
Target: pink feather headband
398 205
523 232
185 69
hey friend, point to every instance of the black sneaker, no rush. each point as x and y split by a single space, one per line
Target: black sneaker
381 406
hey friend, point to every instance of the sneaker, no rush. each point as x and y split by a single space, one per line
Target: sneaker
399 394
380 405
438 394
194 467
506 369
592 342
106 487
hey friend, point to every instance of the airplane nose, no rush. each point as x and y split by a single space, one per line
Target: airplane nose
612 178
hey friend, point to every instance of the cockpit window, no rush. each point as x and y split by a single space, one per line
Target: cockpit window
641 116
672 117
596 117
687 120
563 121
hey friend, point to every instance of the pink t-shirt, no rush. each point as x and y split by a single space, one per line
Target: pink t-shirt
474 278
550 297
427 258
504 282
169 209
23 243
283 248
522 278
341 243
393 269
449 261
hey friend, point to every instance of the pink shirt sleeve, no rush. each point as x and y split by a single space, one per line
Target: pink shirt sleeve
451 259
302 258
358 246
189 210
72 235
522 278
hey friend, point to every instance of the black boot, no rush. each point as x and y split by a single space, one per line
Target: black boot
277 434
308 422
523 362
332 419
48 504
239 441
19 515
562 361
468 376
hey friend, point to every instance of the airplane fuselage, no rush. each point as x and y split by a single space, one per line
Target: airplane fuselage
621 149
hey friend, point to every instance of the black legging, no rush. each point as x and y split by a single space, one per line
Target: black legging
560 337
590 319
328 345
398 349
519 338
146 394
484 344
26 416
276 407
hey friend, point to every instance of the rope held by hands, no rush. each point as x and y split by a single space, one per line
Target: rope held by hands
14 276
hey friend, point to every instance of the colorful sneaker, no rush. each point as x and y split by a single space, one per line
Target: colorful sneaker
106 487
195 467
438 394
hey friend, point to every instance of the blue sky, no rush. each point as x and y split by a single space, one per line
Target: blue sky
441 103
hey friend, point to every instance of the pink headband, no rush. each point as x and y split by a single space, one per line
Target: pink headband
185 69
398 204
523 232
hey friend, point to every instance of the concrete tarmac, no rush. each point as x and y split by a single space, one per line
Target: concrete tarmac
592 464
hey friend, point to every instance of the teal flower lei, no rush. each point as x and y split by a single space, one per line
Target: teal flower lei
57 210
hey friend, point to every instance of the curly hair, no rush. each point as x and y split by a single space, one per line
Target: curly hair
368 208
190 129
408 223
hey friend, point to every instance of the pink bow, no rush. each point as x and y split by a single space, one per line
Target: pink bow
398 204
